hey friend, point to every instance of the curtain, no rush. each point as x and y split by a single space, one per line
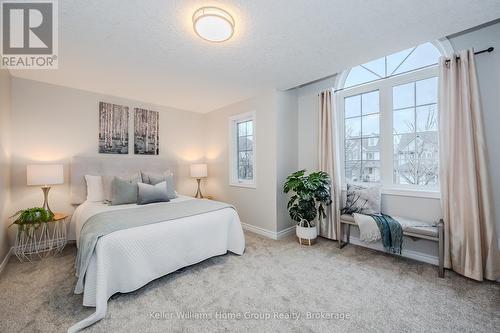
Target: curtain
328 162
471 247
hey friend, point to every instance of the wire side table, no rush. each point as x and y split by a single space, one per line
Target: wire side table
45 239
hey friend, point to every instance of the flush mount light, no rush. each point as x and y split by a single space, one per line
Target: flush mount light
213 24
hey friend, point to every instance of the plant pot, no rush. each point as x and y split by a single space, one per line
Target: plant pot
306 235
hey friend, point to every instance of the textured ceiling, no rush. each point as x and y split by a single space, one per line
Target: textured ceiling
147 50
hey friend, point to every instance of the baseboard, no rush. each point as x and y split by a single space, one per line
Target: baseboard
419 256
285 232
268 233
5 260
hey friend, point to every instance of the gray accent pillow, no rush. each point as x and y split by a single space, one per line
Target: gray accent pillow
153 179
107 181
152 193
123 191
362 200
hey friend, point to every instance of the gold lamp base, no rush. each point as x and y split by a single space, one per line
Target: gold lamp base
45 206
198 194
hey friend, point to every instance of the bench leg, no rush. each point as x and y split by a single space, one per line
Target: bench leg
341 236
441 248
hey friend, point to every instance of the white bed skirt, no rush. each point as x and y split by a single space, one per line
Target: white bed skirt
126 260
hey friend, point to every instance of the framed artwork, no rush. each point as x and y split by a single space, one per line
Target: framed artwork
113 128
146 132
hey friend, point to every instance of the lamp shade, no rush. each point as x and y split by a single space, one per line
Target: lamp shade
199 170
44 174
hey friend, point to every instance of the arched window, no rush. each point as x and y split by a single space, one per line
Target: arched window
411 59
389 111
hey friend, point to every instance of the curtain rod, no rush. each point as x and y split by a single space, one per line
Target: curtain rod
489 49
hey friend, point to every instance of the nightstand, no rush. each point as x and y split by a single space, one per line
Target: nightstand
48 238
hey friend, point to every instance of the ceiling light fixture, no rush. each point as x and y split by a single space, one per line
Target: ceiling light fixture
213 24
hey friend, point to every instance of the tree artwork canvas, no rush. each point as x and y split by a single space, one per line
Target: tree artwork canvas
113 128
146 132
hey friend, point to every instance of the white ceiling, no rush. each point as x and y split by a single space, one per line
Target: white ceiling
147 50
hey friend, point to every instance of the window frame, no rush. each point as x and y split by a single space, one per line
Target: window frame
384 86
233 150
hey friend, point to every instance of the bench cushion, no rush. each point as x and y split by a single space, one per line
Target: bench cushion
347 218
428 230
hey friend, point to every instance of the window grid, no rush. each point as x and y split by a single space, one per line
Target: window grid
244 167
415 53
415 136
361 139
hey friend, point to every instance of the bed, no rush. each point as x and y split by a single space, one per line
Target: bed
127 259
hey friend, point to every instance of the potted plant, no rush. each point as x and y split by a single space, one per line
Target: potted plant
31 218
311 193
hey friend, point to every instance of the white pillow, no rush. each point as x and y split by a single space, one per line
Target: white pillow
95 189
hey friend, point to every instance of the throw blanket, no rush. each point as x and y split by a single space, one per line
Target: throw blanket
368 229
385 228
391 233
107 222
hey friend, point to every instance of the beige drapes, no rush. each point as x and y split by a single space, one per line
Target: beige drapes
471 247
328 162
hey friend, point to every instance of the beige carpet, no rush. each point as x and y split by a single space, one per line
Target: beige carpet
354 290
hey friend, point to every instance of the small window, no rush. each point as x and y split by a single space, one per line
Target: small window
242 150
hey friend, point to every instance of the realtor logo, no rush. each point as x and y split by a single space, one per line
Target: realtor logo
29 34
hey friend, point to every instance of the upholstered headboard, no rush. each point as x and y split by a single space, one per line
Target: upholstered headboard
110 166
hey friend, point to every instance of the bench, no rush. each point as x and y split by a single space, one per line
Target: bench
432 232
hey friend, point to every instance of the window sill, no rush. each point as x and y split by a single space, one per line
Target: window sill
245 185
406 192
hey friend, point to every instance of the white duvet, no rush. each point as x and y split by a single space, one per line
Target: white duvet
126 260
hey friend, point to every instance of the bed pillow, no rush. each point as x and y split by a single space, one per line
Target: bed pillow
153 179
123 191
107 181
95 191
152 193
362 200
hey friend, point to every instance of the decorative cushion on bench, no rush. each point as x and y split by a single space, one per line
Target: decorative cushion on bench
409 226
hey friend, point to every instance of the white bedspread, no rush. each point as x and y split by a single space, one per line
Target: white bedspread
126 260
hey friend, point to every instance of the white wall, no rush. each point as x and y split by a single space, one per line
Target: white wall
54 123
488 70
256 206
287 139
5 110
276 138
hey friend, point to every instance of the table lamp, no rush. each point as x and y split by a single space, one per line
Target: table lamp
198 171
44 175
